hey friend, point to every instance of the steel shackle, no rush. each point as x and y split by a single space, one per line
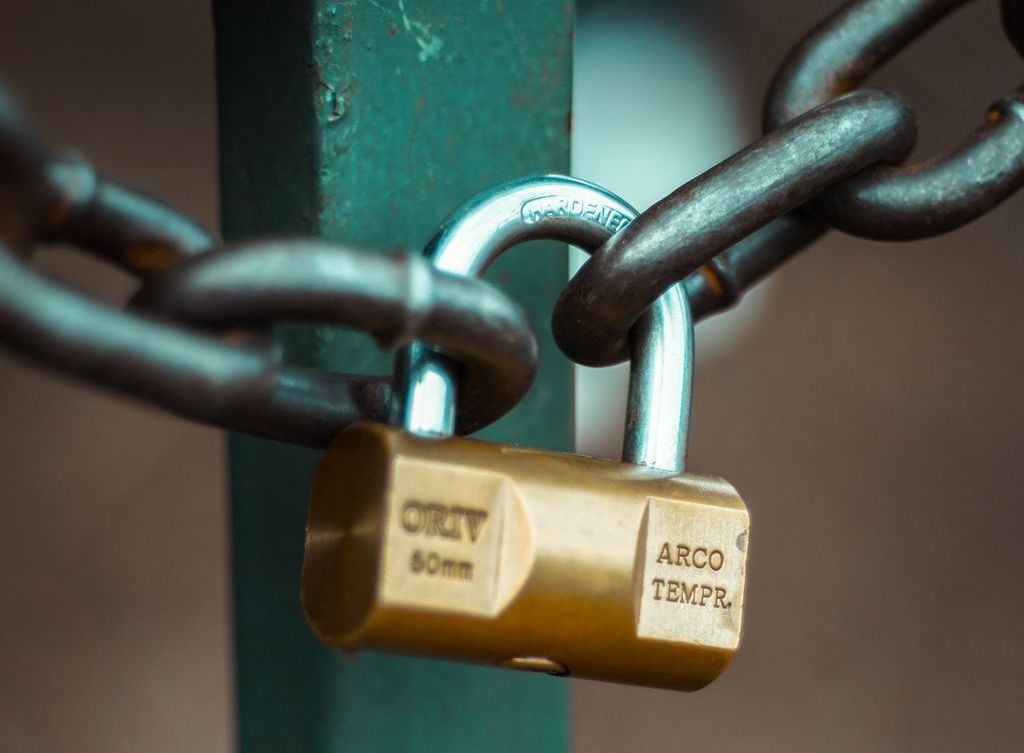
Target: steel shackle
556 207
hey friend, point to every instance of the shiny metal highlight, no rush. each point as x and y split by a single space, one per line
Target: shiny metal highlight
554 207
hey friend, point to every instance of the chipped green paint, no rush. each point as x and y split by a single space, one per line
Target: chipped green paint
367 122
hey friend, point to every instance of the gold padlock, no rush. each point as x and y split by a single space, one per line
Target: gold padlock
449 547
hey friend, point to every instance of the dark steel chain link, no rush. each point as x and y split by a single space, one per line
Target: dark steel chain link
147 351
812 170
831 156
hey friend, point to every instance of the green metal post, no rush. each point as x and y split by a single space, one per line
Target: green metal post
367 122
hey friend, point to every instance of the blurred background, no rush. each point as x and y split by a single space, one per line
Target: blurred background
865 401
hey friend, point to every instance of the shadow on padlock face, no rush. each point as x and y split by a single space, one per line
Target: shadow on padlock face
420 542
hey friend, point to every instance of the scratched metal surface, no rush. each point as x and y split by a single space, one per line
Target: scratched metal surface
370 122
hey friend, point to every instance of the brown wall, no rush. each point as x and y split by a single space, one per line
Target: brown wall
871 420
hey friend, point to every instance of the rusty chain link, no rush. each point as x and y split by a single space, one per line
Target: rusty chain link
831 156
812 157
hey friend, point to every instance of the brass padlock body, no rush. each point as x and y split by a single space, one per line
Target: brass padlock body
517 557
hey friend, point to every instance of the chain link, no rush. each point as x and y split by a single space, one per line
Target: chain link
831 156
146 353
698 221
888 202
814 164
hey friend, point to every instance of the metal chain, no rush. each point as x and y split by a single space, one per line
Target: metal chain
243 387
815 156
699 220
898 202
831 157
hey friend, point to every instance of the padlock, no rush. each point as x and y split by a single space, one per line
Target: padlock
449 547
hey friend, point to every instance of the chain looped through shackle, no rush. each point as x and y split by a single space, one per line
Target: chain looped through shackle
834 159
661 377
830 158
